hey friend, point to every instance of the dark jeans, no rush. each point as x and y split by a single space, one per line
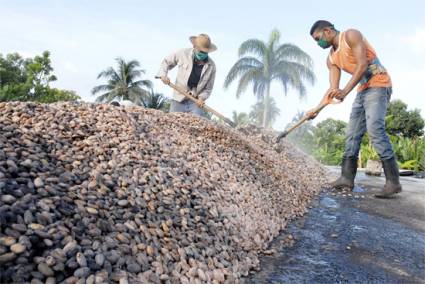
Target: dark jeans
368 114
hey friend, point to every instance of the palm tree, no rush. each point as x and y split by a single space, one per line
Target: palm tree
123 83
240 119
260 63
156 101
257 112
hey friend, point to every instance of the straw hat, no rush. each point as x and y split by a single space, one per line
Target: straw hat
203 43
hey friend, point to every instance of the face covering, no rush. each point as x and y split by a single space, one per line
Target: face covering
323 43
201 55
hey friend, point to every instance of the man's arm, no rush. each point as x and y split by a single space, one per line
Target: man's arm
334 79
354 39
334 75
167 64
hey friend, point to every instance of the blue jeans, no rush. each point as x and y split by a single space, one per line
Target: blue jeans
368 114
186 106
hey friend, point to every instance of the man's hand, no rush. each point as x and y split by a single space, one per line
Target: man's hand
312 114
165 80
200 103
327 98
337 94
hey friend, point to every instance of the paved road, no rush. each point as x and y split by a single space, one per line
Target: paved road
353 238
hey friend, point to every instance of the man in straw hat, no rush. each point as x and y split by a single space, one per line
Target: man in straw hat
196 74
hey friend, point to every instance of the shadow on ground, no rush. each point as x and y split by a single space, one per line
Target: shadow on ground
353 238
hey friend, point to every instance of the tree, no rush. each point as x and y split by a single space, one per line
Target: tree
260 63
57 95
400 121
123 83
13 78
240 119
40 75
12 69
29 80
257 113
156 101
329 137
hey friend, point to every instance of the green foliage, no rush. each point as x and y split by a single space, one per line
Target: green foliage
325 141
409 165
421 153
367 152
12 69
156 101
329 139
14 92
40 73
240 119
410 152
123 83
56 95
257 113
29 79
400 121
261 62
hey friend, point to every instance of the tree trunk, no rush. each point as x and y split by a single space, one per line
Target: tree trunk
266 105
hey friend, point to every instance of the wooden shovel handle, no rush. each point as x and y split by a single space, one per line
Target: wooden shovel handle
302 120
205 107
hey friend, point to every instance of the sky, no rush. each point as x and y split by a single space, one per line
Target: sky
85 37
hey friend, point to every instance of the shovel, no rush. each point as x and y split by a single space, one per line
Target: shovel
205 107
301 121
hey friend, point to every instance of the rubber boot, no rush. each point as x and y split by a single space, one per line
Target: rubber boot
348 173
392 184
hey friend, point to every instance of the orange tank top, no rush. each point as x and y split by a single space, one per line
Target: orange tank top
375 76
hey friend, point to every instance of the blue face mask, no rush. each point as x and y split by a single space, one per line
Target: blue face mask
201 55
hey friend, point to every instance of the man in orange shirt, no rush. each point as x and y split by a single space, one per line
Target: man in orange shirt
351 52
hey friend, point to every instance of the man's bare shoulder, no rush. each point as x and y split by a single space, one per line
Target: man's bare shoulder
353 36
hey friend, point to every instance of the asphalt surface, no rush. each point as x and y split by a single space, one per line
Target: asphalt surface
353 237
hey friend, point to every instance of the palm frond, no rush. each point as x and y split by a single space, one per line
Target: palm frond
260 88
136 96
291 52
247 78
107 97
284 80
144 83
109 74
242 66
293 69
254 46
100 88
